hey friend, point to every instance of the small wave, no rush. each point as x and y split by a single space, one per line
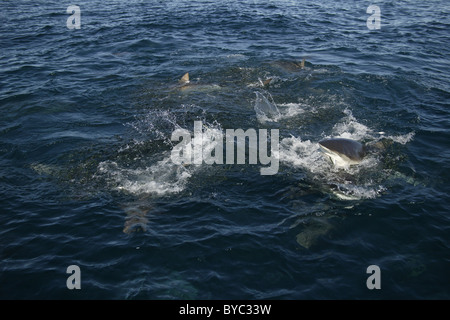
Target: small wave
402 139
356 192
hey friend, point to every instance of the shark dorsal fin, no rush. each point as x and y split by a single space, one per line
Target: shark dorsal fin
302 64
267 82
185 79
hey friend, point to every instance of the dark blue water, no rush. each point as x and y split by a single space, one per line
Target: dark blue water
86 176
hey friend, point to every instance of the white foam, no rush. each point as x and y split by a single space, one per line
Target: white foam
236 56
356 192
302 154
268 111
350 128
160 178
290 110
402 139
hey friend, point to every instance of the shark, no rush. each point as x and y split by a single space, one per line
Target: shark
289 66
186 86
343 152
286 66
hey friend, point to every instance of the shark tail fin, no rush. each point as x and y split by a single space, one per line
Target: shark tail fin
185 79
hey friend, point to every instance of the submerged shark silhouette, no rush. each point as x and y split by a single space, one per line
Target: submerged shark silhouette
287 66
343 152
185 85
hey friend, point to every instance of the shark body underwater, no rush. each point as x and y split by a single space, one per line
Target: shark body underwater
185 85
343 152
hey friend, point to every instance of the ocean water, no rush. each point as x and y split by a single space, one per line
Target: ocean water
87 176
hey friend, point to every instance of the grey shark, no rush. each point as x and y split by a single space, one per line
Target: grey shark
286 66
185 85
289 66
343 152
